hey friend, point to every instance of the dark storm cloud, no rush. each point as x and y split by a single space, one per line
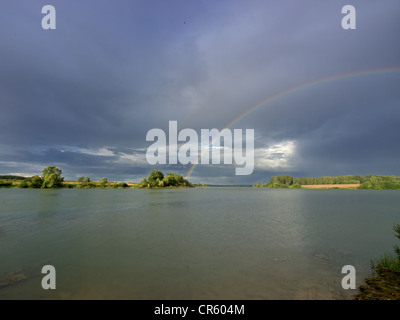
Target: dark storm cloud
83 85
83 96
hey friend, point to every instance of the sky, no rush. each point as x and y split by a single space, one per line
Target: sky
321 100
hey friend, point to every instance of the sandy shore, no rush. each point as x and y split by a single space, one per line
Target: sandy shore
330 186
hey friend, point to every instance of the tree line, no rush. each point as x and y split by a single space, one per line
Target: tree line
52 178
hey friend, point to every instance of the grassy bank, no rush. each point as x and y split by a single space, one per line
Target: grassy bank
98 185
385 284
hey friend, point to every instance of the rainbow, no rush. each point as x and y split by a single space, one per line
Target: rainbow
294 90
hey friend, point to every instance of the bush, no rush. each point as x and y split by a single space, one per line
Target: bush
156 179
386 262
36 182
5 183
33 182
24 184
122 185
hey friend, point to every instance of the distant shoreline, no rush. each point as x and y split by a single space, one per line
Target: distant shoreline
375 182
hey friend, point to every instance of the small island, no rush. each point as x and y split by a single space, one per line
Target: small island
156 179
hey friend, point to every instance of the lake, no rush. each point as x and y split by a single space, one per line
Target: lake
200 243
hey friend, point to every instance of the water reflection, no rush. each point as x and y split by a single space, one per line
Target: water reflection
49 203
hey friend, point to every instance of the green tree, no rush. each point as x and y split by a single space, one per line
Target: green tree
286 180
144 183
103 182
282 181
172 179
52 177
154 178
51 181
154 175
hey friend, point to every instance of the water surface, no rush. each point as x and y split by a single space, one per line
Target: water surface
202 243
